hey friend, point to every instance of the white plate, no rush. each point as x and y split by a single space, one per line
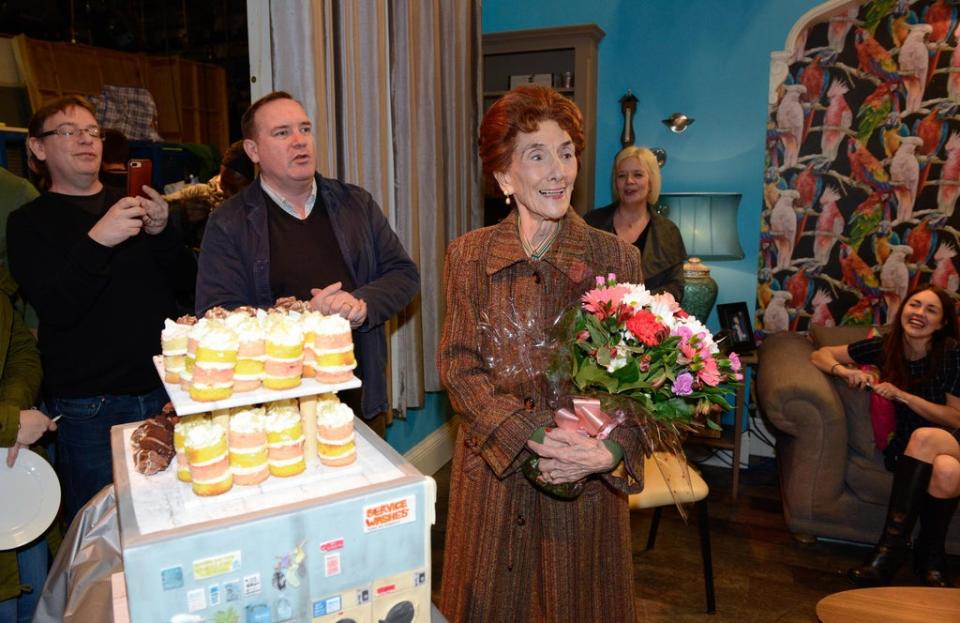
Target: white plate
32 487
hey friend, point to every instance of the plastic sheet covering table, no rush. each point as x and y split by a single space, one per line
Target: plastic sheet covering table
79 587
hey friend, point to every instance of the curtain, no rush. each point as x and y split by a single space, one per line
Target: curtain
393 89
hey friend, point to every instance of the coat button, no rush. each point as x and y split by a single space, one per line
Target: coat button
529 404
521 520
536 277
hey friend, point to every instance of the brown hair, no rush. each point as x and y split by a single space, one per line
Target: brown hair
522 110
248 122
39 173
895 367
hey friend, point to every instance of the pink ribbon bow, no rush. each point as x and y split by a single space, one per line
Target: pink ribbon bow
588 419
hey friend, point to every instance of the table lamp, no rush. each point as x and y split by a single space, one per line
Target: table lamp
708 226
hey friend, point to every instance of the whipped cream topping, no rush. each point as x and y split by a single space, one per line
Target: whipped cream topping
204 434
172 330
219 337
333 325
338 415
247 420
282 419
281 329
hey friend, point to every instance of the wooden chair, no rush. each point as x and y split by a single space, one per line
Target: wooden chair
656 495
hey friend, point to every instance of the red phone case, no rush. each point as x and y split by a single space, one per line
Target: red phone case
139 174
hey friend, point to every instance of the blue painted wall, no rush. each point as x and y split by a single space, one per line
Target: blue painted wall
706 58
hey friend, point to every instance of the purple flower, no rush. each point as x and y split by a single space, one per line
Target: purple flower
683 386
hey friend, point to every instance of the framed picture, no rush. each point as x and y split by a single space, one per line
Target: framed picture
542 79
735 321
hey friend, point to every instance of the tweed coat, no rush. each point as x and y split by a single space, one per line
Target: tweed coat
514 553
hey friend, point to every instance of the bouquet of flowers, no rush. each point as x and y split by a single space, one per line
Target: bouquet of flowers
642 353
635 355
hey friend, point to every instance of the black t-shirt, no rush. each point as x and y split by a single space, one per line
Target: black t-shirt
931 385
101 309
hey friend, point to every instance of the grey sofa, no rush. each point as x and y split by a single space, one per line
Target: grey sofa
832 478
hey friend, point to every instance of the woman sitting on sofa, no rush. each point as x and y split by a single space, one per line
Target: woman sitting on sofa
919 362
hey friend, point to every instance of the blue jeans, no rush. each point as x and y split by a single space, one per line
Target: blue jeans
84 459
32 563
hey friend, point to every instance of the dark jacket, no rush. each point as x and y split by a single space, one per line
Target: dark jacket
20 376
235 267
663 256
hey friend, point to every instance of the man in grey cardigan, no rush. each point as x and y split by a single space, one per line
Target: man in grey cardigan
296 233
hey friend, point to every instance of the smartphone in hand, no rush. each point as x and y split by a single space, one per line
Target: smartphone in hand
139 174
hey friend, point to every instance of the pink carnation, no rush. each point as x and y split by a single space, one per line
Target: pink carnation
735 362
645 327
603 302
710 373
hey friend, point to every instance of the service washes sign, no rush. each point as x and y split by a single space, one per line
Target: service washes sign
389 513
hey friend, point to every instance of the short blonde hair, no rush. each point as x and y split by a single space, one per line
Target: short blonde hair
649 161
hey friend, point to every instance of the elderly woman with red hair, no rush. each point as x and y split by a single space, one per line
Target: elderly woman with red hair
514 552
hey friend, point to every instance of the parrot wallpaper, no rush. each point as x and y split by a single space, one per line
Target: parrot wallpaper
862 166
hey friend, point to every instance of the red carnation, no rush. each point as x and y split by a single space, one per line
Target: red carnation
645 327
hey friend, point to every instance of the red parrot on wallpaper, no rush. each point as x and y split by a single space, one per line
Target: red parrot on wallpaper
874 59
829 226
866 169
942 18
932 129
857 273
914 59
905 175
865 219
922 240
800 288
861 313
838 116
948 192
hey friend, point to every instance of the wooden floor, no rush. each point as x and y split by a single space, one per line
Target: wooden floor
761 573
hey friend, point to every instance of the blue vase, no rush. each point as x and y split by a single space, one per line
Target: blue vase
699 289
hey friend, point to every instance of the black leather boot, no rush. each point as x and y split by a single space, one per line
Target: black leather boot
910 483
931 559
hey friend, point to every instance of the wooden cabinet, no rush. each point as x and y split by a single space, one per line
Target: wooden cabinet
566 57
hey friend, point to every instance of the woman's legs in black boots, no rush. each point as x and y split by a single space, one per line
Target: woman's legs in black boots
935 516
910 483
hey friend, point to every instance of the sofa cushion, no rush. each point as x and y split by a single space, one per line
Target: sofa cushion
856 408
868 479
834 336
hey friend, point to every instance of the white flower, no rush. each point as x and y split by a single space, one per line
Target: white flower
696 328
617 362
637 296
663 310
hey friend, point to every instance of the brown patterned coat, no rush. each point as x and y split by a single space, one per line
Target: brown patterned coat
513 553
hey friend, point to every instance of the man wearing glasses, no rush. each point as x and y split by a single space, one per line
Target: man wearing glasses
101 270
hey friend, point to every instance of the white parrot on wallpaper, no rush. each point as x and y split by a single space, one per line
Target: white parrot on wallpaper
839 28
914 60
775 316
783 227
945 273
790 122
829 226
953 78
947 193
838 115
821 309
905 174
895 277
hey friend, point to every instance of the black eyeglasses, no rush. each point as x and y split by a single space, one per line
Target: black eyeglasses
70 131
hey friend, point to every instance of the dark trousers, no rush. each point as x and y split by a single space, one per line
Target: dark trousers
84 458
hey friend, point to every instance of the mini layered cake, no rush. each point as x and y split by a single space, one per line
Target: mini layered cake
248 447
284 348
309 322
251 354
179 444
193 338
206 448
333 346
215 364
335 435
284 438
173 345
